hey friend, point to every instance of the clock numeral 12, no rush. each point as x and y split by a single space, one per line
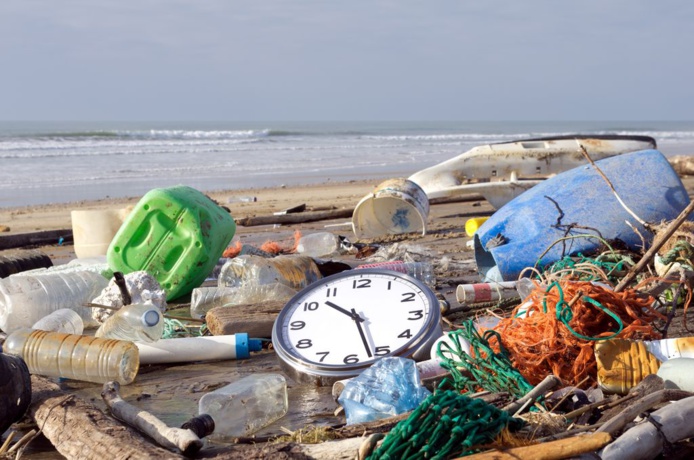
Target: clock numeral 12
358 284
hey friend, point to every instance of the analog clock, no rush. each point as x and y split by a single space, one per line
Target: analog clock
340 325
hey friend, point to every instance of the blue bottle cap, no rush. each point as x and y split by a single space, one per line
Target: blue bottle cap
151 318
244 345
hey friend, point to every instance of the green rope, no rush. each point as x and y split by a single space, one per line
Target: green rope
445 424
174 328
682 251
611 263
490 370
565 314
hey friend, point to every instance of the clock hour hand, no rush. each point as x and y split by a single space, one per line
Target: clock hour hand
361 333
352 314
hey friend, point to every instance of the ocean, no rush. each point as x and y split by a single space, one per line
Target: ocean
60 162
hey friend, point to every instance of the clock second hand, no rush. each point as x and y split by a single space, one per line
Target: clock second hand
361 332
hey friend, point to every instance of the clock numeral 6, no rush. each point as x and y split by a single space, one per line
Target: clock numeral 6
382 351
351 359
304 343
296 325
310 306
418 314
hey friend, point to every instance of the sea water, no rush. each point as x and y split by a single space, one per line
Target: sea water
52 162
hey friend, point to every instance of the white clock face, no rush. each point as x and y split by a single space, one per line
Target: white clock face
354 319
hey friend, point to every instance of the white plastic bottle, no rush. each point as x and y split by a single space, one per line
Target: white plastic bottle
135 322
63 320
321 244
78 357
25 299
241 408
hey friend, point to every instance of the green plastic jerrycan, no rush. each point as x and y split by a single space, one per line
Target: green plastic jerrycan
175 234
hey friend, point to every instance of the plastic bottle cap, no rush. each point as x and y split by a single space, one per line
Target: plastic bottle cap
151 318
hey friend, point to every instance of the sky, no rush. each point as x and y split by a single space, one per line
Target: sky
260 60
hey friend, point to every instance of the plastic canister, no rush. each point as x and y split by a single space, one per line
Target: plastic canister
176 234
622 364
395 206
678 373
93 230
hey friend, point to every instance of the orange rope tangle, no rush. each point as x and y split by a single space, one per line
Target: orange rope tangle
540 344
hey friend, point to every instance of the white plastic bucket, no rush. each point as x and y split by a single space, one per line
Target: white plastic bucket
395 206
93 230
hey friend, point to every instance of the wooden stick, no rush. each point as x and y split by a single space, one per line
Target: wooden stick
645 260
541 388
171 438
554 450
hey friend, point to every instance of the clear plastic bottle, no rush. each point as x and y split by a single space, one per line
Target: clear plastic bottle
321 244
294 271
78 357
63 320
25 299
241 408
423 271
206 298
136 322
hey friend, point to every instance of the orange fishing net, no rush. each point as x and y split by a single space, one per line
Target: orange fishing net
271 247
541 344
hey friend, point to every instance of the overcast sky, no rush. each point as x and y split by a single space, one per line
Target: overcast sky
261 60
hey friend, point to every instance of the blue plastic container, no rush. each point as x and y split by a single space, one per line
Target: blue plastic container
526 227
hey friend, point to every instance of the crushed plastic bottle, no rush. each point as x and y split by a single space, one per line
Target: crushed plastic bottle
206 298
63 320
321 244
391 386
241 408
294 271
134 322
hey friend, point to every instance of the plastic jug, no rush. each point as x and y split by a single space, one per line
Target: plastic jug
176 234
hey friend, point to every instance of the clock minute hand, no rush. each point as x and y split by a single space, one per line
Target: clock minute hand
361 333
352 314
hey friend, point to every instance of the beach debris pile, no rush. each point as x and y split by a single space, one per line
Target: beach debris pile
573 341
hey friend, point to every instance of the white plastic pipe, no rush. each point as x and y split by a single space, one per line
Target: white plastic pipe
187 349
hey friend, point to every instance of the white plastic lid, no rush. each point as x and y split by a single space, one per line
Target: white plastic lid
151 317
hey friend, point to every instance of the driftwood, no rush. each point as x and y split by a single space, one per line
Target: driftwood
35 238
648 256
170 438
79 430
540 389
254 319
554 450
670 424
295 218
301 217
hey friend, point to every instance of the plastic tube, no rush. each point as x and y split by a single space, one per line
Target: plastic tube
187 349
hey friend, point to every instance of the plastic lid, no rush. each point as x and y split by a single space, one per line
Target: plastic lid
151 318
